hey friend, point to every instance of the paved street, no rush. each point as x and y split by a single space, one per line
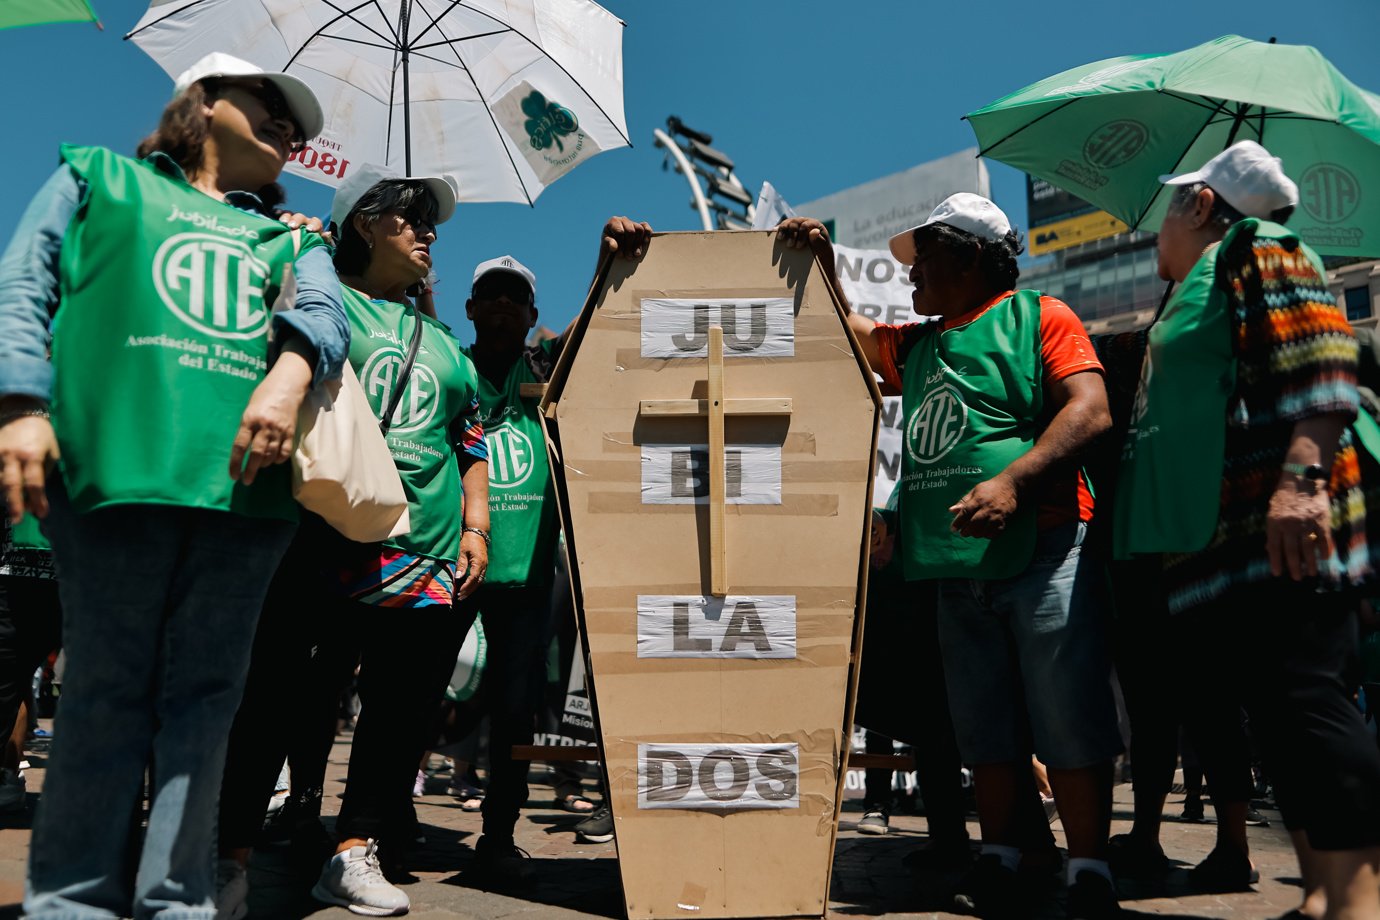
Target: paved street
581 880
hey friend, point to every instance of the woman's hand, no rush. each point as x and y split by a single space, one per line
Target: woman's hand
1298 527
28 450
474 562
269 424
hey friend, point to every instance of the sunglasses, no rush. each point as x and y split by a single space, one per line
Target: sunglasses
503 284
271 98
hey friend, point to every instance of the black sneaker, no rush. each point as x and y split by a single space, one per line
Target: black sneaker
987 890
1193 812
1224 870
1092 897
501 864
1132 857
598 827
1254 818
875 820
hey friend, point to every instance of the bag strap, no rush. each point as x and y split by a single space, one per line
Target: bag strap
412 348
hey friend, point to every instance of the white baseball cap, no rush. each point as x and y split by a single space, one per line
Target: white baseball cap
301 101
367 175
962 211
1247 177
506 264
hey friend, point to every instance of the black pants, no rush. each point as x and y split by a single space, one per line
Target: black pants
517 629
30 628
306 648
1171 677
1294 654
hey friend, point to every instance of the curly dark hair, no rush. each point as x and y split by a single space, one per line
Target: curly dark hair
413 199
1222 215
995 259
182 132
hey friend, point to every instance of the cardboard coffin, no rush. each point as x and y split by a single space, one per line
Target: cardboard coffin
719 584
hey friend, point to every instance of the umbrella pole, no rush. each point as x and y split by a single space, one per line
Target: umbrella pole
403 15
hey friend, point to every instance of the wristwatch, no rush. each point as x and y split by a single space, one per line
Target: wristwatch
1311 471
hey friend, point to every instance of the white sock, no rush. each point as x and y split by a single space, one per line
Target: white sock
1010 856
1081 864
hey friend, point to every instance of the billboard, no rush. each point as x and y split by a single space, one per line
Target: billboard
866 216
1058 219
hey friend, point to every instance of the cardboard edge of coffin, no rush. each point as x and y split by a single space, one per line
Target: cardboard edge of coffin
620 270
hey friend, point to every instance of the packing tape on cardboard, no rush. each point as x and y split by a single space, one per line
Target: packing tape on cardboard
630 502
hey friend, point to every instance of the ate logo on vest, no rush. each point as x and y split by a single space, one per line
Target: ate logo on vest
417 407
512 457
936 425
212 284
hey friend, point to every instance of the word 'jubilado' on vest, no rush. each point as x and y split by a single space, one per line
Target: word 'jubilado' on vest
972 397
161 338
439 390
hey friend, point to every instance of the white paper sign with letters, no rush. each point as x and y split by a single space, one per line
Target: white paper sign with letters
737 626
678 474
754 327
718 777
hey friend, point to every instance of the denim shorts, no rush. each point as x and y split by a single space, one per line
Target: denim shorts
1035 643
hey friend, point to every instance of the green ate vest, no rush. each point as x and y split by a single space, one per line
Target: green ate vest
160 339
522 502
1170 481
972 397
424 437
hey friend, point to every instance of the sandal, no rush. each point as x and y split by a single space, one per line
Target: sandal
576 804
470 796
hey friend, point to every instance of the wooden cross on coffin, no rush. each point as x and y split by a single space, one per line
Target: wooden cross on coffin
715 408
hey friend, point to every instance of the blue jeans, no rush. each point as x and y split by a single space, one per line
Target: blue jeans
159 608
1036 642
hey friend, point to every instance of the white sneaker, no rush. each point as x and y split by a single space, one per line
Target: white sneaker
232 890
13 791
353 879
419 785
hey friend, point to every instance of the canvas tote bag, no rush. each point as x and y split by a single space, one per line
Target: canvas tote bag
341 467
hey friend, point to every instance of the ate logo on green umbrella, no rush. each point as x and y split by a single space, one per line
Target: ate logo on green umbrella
1115 143
1329 193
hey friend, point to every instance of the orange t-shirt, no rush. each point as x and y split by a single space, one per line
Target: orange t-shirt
1065 350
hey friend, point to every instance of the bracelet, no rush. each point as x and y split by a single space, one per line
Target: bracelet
484 535
8 417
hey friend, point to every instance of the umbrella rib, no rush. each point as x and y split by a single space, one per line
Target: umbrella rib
360 41
319 33
1155 197
576 83
467 38
488 110
1058 108
167 15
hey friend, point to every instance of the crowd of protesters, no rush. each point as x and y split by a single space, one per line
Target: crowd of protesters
1100 499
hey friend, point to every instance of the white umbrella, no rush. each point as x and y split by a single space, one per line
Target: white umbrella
505 95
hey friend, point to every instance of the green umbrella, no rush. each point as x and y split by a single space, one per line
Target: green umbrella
37 12
1107 131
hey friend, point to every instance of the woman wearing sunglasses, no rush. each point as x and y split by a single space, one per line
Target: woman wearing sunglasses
151 446
391 607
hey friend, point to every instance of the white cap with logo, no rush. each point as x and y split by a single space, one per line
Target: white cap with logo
1247 177
301 101
962 211
506 264
367 175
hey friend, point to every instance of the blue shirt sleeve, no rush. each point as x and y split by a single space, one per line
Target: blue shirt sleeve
29 286
319 316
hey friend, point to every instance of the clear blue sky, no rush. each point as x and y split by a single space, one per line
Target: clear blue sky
812 95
